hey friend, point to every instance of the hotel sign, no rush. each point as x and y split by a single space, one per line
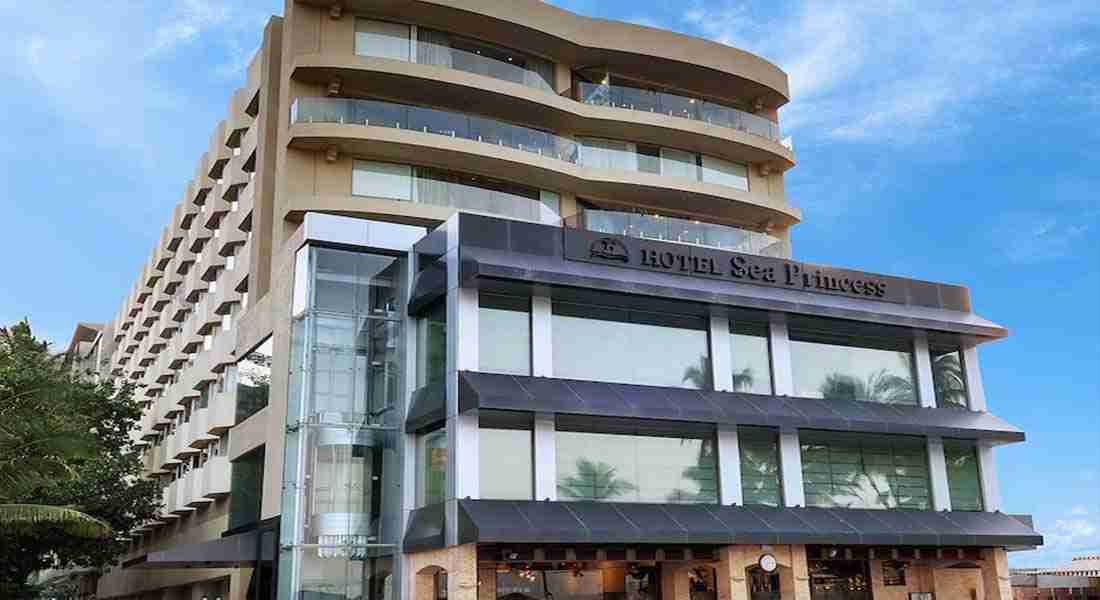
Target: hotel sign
697 261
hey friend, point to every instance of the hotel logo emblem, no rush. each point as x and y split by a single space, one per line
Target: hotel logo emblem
609 248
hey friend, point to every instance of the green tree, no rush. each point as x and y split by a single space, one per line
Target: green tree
70 483
880 386
594 481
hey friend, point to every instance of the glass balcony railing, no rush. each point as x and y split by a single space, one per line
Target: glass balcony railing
621 96
428 53
678 230
429 120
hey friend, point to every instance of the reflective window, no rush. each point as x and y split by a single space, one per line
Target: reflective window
631 468
507 470
382 39
504 334
830 362
590 584
605 344
246 489
423 185
431 345
949 377
751 357
724 172
963 477
864 471
472 56
617 155
431 452
253 381
345 492
760 483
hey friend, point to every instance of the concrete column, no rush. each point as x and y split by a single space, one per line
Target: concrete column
462 575
926 387
462 355
794 577
987 470
974 388
782 375
937 470
721 357
542 344
675 584
729 466
996 580
546 460
730 578
790 467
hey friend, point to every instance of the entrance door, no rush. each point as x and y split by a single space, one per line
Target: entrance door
762 585
839 580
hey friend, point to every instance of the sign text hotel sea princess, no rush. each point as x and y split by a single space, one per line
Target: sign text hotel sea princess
696 261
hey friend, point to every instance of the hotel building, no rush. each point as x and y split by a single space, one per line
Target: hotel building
482 299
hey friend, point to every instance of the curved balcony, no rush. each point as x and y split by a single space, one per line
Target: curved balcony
681 231
465 143
537 27
718 130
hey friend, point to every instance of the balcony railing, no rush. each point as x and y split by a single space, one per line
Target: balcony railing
674 105
377 113
674 229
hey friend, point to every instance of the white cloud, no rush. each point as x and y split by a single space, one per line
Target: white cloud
902 70
188 19
1079 510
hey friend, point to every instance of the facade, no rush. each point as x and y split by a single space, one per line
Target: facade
480 299
1080 579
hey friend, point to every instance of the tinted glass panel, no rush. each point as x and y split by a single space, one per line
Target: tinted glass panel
382 39
949 378
246 489
963 476
253 381
431 346
507 469
603 344
760 483
504 334
432 471
752 367
629 468
834 366
864 471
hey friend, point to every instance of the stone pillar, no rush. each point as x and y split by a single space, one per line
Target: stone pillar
790 468
730 576
462 576
926 389
675 584
782 375
542 344
729 466
238 584
721 365
794 575
937 470
996 579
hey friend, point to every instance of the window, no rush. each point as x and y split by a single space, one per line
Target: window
760 483
864 471
382 180
431 455
504 334
724 172
633 468
963 477
382 39
246 489
893 573
453 52
948 377
751 357
838 360
610 344
253 381
431 345
506 464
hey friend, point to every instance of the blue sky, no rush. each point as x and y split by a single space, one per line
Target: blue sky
937 142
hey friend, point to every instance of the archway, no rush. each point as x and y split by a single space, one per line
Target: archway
431 583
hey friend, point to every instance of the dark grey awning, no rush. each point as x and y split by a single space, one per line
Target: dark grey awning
588 398
227 552
425 531
531 522
428 407
430 285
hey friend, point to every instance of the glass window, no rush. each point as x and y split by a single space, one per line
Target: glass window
381 180
382 39
831 363
760 482
677 163
587 584
752 366
724 172
864 471
949 377
431 453
246 489
504 334
253 381
963 477
631 468
506 470
609 344
608 154
431 345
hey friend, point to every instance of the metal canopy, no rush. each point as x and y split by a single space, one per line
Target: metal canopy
626 401
227 552
532 522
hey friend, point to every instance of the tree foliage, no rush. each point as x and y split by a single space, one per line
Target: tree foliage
64 444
